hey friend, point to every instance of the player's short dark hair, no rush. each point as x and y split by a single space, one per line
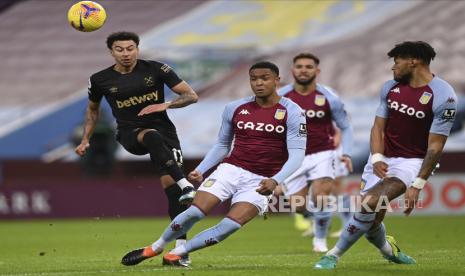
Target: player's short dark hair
413 49
121 36
307 55
265 65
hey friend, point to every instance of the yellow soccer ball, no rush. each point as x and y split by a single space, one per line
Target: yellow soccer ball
86 16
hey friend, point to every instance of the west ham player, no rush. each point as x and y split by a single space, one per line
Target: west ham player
269 134
322 106
134 89
412 123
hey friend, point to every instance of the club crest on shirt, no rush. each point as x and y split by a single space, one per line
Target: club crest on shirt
320 100
362 184
280 113
208 183
149 81
424 99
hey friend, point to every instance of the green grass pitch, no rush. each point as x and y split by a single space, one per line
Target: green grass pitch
263 247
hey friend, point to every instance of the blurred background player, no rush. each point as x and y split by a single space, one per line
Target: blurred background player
134 89
412 123
322 106
340 171
267 125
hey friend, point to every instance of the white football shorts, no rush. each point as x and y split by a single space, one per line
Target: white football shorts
340 167
314 166
406 169
229 181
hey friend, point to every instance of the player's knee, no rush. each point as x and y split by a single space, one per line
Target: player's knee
193 213
370 203
152 137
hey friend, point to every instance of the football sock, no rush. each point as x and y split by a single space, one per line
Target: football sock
178 227
209 237
309 210
358 225
345 215
377 237
173 192
159 153
321 222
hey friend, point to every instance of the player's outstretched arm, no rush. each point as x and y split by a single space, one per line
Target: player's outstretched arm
377 147
92 113
186 97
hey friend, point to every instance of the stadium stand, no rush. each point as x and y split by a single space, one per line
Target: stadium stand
227 37
44 60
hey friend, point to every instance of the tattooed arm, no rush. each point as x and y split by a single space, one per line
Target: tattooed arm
186 97
92 113
436 143
186 94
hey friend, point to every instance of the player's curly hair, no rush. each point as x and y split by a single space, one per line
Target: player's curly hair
413 49
121 36
265 65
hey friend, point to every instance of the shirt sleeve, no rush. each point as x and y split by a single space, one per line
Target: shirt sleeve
296 128
222 147
382 110
169 77
444 110
94 92
340 116
294 161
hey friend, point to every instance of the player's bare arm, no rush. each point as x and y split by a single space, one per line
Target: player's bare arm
436 143
337 138
92 113
186 97
377 146
186 94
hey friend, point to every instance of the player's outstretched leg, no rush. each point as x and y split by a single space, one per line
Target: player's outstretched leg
179 226
173 193
159 153
343 215
321 189
209 237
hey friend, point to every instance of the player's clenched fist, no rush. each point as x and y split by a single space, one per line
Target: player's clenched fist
267 186
82 148
195 176
380 169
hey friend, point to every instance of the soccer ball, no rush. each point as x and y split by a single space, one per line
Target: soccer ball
86 16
